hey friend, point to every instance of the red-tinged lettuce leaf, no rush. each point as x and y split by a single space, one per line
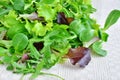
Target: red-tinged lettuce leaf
62 19
80 55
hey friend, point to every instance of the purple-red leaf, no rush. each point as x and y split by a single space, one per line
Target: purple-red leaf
80 55
62 19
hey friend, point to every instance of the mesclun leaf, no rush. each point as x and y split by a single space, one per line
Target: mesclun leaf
76 26
18 4
14 30
86 35
3 51
33 51
102 35
3 11
80 55
47 1
38 69
20 41
112 19
8 20
6 9
97 48
61 19
39 29
47 12
29 26
87 1
5 43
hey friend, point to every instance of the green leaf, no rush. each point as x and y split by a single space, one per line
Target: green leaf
7 59
103 35
3 51
15 29
87 35
38 69
10 20
47 12
3 11
33 51
76 26
29 26
18 65
4 7
11 50
18 4
20 41
112 18
47 1
97 48
10 67
61 46
5 43
39 29
28 4
87 1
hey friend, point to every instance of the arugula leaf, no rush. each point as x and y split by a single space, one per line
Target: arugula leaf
112 19
97 48
38 69
33 51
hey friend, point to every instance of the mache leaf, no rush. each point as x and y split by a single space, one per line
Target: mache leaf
76 26
112 19
97 48
86 35
20 41
102 35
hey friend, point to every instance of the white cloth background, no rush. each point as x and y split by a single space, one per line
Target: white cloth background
100 68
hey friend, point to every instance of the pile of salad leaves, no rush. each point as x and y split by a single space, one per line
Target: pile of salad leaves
37 34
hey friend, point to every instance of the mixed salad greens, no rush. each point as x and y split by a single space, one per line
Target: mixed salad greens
37 34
